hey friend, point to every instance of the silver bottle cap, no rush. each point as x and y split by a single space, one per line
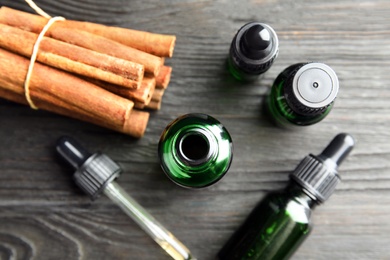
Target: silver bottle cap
315 85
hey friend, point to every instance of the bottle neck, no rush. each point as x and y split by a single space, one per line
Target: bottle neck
196 147
300 195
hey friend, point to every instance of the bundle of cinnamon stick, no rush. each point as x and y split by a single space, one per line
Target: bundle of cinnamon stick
100 74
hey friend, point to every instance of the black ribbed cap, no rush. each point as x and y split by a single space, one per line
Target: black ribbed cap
318 174
93 171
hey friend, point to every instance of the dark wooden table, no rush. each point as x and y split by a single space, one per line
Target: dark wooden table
43 215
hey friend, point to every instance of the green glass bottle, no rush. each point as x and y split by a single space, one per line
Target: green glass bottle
303 94
252 51
195 150
281 221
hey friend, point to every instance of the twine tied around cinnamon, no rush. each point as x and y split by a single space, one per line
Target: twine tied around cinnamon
34 54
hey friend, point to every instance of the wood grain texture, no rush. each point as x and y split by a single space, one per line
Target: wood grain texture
43 215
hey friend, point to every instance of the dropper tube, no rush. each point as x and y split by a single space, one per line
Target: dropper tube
147 222
95 174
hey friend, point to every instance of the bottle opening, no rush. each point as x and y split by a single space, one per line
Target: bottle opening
195 147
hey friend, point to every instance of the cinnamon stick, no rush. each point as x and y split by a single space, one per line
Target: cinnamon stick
136 125
156 44
51 86
154 105
158 94
142 95
104 45
155 102
164 76
135 129
72 58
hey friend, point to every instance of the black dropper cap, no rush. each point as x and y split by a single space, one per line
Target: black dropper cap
254 47
318 174
93 171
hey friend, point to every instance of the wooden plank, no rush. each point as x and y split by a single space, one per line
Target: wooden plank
43 215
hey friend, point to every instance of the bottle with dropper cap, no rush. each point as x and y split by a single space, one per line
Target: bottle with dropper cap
252 51
303 94
281 221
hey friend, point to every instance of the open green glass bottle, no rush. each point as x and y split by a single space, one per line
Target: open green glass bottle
195 150
281 221
303 94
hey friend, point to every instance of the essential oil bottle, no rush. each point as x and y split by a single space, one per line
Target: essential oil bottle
252 51
303 94
195 150
281 221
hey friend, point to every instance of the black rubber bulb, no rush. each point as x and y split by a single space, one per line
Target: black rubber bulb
338 149
73 152
255 42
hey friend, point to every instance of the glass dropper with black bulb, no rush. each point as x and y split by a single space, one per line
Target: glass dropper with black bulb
95 174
